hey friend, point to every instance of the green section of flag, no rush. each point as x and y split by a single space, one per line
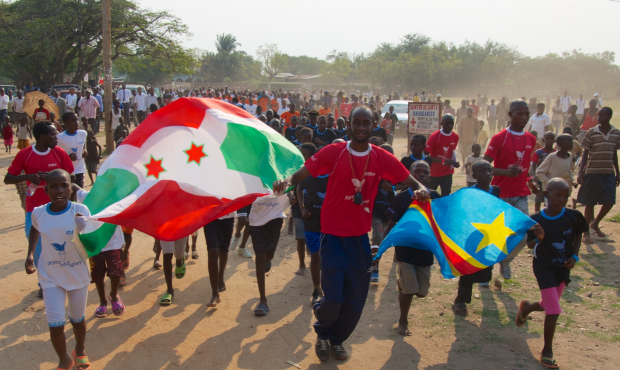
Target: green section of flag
263 154
115 184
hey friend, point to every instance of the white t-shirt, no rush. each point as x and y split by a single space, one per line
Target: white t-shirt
251 109
118 240
151 99
4 103
268 208
18 105
71 101
565 102
538 123
74 144
282 110
60 263
140 101
123 95
581 105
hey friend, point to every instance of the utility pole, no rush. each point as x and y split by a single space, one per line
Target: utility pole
107 74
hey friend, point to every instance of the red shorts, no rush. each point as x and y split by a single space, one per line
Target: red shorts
106 262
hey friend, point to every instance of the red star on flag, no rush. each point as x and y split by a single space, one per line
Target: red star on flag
154 168
195 153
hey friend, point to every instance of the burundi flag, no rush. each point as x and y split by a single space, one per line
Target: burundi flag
186 165
467 231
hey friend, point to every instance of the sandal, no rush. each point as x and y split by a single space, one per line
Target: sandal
587 240
520 321
549 363
101 312
186 255
261 310
460 309
166 299
156 264
81 362
117 306
71 366
195 255
179 272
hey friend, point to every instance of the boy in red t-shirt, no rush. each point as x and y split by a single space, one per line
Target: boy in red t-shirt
440 148
511 150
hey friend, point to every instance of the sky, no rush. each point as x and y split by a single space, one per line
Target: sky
316 27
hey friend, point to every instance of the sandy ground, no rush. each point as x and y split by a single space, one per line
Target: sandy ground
190 335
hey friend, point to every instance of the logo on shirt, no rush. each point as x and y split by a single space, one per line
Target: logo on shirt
519 154
52 165
357 183
370 173
70 232
490 147
60 248
568 231
561 248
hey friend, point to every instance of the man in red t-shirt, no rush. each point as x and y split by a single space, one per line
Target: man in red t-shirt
355 170
511 150
36 161
440 148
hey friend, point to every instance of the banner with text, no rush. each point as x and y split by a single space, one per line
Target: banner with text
424 118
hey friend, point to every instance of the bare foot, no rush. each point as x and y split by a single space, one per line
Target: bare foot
214 301
301 271
403 329
222 287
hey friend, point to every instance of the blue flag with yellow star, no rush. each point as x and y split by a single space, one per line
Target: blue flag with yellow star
467 231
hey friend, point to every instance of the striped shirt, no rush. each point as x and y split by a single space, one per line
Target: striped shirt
602 148
88 107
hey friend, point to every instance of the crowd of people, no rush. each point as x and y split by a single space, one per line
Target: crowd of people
351 185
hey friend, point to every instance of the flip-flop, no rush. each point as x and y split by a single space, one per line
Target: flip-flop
118 305
261 310
71 366
166 299
81 362
156 265
186 255
460 309
195 255
520 321
101 312
587 240
598 233
549 363
179 272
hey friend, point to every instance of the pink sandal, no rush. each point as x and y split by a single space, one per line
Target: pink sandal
101 312
118 305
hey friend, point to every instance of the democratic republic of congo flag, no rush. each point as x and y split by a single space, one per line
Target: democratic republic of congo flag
186 165
467 231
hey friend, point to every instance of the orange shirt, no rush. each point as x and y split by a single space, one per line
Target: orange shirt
324 112
286 116
274 105
263 102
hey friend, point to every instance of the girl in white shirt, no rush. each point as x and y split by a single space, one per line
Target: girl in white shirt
62 268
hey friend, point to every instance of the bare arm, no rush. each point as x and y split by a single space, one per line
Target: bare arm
12 179
616 168
582 165
280 186
32 244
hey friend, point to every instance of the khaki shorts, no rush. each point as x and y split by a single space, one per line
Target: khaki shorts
176 247
413 279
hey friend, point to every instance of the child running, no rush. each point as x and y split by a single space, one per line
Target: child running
556 239
482 173
168 249
92 158
109 262
311 193
266 220
470 161
218 234
413 265
61 268
23 132
558 164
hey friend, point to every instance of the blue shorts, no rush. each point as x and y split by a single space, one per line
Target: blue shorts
37 251
313 241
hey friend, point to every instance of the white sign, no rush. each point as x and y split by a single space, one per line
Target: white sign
424 118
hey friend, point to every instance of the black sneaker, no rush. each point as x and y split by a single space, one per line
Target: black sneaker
322 349
339 353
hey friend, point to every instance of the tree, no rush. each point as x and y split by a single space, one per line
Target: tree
304 65
42 40
272 59
226 43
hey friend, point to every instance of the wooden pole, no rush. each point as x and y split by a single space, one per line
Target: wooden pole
107 74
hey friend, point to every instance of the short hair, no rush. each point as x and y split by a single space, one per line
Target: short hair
418 162
476 146
549 133
67 116
542 105
40 128
447 101
309 147
477 165
387 147
153 107
567 130
611 111
374 139
360 107
305 130
57 172
564 137
515 104
419 137
262 118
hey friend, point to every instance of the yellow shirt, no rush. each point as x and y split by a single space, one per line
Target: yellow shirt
483 137
416 99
